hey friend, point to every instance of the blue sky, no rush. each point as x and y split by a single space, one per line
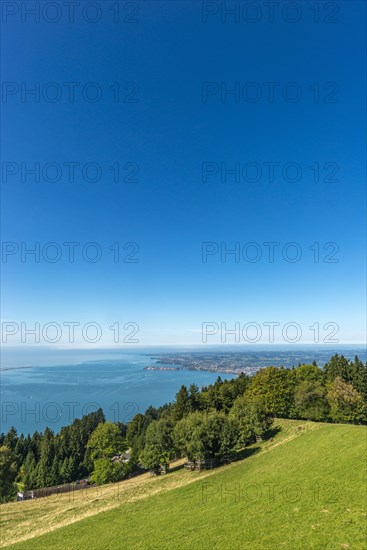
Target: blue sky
162 140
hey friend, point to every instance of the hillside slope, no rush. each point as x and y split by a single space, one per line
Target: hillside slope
303 489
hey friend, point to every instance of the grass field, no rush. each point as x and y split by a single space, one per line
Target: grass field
303 489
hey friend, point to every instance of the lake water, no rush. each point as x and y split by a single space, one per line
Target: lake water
42 388
36 397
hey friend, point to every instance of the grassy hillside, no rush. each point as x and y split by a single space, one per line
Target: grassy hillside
303 489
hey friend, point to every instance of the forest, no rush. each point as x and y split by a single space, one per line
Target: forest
210 423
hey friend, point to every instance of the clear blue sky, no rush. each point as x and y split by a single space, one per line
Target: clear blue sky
169 133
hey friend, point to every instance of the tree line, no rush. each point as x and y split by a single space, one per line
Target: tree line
208 423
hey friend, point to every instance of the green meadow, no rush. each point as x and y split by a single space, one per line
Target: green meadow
303 488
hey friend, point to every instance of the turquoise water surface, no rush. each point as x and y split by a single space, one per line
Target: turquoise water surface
45 387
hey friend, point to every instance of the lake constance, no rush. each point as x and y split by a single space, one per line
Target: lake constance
36 397
42 388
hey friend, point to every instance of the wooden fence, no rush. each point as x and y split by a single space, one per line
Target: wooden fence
48 491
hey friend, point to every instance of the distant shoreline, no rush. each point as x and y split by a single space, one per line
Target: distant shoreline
195 360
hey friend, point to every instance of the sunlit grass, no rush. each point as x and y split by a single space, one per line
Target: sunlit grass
303 488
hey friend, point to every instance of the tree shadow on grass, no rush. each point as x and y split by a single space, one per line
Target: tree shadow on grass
175 468
272 432
244 453
252 450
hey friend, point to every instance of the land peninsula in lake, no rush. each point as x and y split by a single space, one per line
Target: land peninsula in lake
248 362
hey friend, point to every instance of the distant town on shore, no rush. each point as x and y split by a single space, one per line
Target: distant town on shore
243 362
